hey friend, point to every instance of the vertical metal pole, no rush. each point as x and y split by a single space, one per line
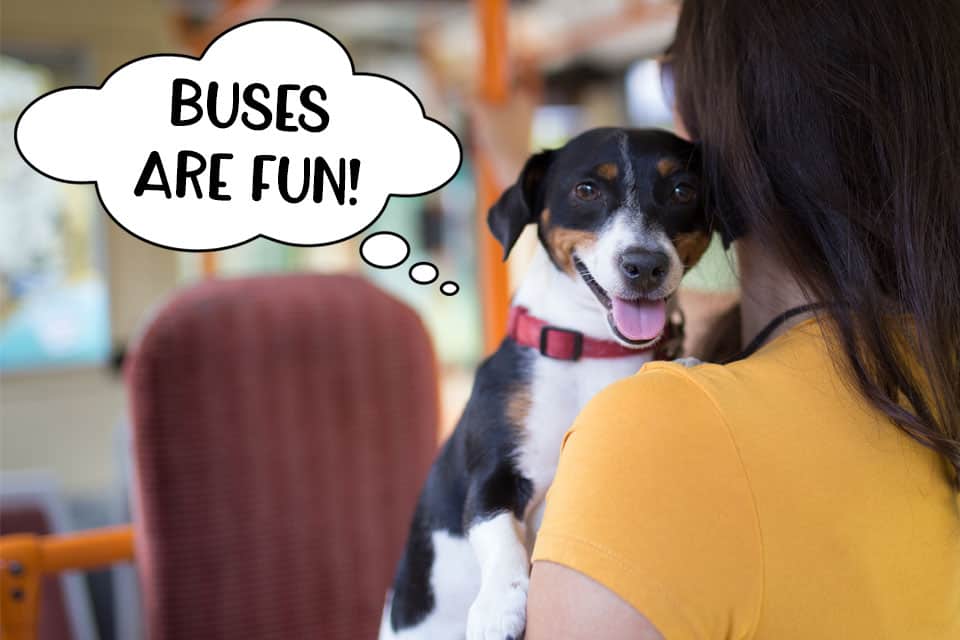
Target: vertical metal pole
493 87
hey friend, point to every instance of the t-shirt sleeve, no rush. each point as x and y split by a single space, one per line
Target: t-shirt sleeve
651 500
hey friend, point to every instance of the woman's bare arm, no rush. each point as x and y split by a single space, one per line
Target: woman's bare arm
564 603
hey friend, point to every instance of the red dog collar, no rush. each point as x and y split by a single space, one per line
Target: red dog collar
567 344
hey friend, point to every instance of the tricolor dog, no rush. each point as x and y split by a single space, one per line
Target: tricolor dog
619 219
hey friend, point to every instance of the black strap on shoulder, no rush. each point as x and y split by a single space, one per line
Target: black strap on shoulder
772 326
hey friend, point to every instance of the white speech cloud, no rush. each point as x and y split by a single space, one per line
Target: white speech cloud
369 131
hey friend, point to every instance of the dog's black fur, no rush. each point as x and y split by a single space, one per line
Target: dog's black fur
473 476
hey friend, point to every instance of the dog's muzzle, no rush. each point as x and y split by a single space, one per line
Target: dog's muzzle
625 312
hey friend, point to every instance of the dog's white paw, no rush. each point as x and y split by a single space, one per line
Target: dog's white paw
688 362
499 611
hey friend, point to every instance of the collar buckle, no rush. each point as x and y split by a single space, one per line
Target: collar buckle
576 346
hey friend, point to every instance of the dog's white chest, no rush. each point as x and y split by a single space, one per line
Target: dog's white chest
558 392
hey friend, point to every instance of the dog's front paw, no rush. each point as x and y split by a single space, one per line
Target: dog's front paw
688 362
499 612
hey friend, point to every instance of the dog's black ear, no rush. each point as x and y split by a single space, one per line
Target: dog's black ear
521 204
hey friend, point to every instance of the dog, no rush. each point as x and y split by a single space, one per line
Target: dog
619 219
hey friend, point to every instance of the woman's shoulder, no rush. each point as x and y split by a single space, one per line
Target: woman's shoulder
651 500
795 368
661 396
719 405
636 434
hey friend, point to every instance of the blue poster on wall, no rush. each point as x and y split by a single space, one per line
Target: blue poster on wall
54 308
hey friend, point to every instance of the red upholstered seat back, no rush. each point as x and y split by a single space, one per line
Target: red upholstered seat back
282 429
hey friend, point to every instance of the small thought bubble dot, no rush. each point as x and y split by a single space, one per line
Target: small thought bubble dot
423 273
449 288
384 250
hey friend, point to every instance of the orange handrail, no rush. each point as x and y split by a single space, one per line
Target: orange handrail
492 89
26 558
87 549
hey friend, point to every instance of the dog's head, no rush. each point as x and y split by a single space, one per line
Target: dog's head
619 211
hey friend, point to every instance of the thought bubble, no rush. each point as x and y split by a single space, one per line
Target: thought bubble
423 273
384 250
449 288
269 133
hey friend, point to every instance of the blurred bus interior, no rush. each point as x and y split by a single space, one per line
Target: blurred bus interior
76 289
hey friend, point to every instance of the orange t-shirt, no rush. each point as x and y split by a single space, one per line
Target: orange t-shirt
763 499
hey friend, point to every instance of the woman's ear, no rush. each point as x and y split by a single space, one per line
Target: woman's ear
521 204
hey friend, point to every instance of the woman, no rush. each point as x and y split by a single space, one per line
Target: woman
809 489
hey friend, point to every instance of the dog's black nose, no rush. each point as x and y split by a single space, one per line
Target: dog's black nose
644 269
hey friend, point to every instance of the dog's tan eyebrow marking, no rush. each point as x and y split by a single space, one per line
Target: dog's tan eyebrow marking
668 165
545 216
518 405
607 170
562 243
691 246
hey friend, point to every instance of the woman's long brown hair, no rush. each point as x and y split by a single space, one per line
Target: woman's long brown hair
831 133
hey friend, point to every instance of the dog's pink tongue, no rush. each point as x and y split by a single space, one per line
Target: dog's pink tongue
639 319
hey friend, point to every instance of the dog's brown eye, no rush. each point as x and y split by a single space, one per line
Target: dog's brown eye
683 193
586 191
